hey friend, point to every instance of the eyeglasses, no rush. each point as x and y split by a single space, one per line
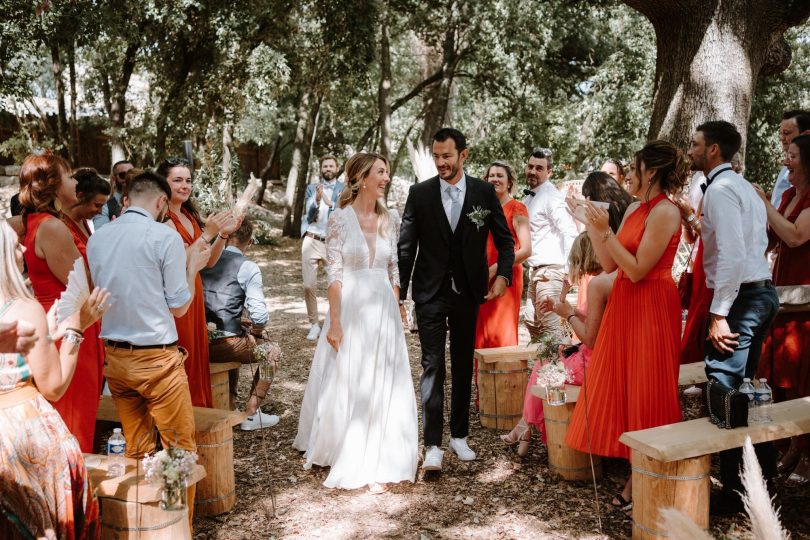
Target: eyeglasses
121 175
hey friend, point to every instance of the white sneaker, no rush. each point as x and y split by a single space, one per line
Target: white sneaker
259 420
464 452
314 332
433 459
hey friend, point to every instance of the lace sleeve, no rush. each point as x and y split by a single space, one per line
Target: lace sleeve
393 262
335 236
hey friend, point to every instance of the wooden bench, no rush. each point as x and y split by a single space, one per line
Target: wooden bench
220 385
130 505
216 493
671 463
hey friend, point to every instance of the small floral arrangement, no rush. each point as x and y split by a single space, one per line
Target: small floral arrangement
171 469
214 332
478 215
552 374
268 354
549 345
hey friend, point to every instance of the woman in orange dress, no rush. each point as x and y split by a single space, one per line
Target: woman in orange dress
497 324
46 187
192 332
785 360
632 380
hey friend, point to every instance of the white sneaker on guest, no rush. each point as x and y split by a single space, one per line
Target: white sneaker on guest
259 420
464 452
314 332
433 459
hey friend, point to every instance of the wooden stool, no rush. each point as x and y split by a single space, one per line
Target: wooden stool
220 386
130 505
502 376
570 464
216 493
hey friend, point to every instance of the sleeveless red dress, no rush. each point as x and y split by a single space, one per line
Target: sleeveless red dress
497 323
693 341
79 405
785 359
192 332
631 381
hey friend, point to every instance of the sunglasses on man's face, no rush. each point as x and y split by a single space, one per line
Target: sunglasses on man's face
121 175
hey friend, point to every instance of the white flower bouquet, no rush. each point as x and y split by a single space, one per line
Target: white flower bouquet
214 332
171 469
268 354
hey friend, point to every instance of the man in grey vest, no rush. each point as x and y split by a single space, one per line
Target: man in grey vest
232 286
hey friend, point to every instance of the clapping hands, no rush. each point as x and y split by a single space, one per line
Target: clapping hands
198 255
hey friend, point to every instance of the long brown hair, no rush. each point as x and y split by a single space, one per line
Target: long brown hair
40 178
669 163
189 205
356 170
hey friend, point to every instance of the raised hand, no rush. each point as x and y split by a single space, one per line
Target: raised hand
198 254
216 222
91 311
233 223
598 218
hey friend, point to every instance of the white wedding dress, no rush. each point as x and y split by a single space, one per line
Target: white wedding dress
359 410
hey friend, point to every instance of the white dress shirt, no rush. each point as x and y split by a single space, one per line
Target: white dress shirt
319 226
447 201
249 277
734 233
779 187
552 228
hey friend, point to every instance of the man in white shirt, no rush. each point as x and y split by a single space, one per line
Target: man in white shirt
553 232
734 235
320 201
794 123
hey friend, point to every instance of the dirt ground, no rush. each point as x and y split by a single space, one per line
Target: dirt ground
497 496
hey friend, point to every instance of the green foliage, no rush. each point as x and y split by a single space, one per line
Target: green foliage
774 95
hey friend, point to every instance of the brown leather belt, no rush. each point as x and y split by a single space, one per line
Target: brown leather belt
315 237
130 346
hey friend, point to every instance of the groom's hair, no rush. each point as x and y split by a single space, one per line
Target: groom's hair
450 133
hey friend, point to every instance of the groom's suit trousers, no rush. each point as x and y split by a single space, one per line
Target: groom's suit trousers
457 313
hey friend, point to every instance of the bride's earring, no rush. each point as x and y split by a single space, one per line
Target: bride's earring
364 185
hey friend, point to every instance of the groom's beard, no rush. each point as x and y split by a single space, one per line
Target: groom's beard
445 175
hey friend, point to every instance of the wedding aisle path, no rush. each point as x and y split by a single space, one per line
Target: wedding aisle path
497 496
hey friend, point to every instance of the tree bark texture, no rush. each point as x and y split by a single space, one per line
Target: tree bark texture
710 55
74 125
264 174
308 109
385 90
61 116
225 183
437 98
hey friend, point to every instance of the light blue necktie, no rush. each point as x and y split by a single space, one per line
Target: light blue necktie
455 206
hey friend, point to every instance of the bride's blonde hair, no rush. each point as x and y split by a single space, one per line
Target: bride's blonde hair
12 284
357 169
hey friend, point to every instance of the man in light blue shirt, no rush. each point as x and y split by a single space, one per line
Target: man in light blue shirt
232 286
143 265
113 208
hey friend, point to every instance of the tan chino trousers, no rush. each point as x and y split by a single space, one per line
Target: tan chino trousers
313 253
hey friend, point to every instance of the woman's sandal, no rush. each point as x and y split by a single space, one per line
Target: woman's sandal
622 504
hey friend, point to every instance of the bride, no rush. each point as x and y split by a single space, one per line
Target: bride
359 410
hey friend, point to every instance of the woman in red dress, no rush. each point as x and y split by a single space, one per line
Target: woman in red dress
46 187
785 360
184 217
497 324
632 380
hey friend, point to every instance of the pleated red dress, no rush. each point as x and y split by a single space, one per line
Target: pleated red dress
79 405
693 341
631 381
785 359
192 333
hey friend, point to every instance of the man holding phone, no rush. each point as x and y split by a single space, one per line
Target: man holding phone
553 232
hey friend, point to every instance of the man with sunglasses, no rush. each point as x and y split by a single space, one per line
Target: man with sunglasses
113 208
232 286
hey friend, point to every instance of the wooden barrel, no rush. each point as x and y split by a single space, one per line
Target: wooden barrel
123 520
216 493
562 459
220 387
681 484
501 388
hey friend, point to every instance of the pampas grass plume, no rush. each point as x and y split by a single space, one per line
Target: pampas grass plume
765 523
680 527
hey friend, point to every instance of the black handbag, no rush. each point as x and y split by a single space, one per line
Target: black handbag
728 408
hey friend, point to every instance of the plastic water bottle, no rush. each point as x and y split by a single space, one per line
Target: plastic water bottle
116 446
764 398
748 389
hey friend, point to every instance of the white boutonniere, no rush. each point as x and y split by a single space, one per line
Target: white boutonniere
478 215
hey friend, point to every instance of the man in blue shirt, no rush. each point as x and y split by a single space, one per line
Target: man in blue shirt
232 286
142 263
113 208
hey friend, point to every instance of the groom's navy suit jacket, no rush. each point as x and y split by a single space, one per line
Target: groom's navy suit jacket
425 240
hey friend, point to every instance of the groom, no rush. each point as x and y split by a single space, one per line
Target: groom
443 241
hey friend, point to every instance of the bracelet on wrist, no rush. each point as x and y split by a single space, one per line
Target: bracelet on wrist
568 319
223 237
75 330
606 235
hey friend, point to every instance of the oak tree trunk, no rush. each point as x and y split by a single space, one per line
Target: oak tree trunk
710 54
384 90
74 125
308 109
61 115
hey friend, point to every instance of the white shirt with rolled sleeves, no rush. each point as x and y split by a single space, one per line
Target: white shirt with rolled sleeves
142 263
780 186
319 226
552 228
734 234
